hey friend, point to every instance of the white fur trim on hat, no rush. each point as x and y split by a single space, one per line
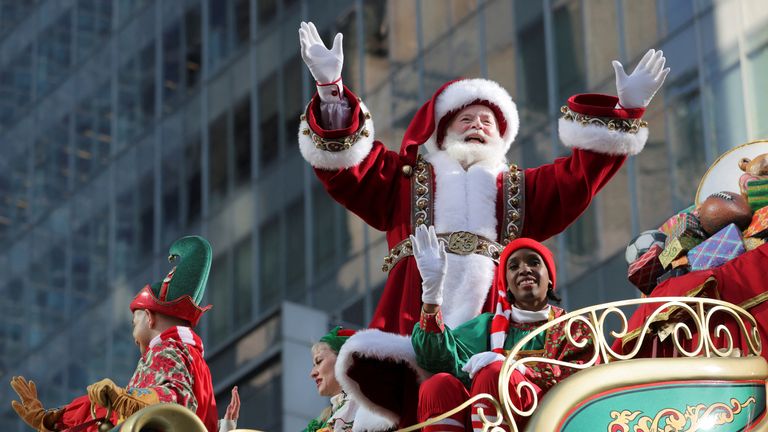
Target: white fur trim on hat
600 139
462 93
375 344
328 160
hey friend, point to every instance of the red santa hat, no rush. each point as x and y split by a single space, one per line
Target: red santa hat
431 120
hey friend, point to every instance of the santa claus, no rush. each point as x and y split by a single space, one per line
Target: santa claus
462 184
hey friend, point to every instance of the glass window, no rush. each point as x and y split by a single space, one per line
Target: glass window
727 101
218 146
220 295
653 177
126 210
685 137
93 134
194 45
172 67
51 166
293 101
758 65
15 86
268 120
375 13
218 36
325 230
295 244
569 47
271 258
171 178
678 13
54 53
12 13
266 10
146 222
94 23
136 94
262 394
532 65
242 21
242 138
242 308
126 8
193 186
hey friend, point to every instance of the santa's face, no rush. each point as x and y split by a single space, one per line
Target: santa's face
476 124
473 136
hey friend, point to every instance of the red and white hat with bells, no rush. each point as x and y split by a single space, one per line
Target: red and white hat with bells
431 120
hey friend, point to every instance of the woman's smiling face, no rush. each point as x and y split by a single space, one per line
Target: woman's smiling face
527 279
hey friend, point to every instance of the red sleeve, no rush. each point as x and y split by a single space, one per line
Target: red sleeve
558 193
78 412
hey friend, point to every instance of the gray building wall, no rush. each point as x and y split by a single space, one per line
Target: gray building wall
127 124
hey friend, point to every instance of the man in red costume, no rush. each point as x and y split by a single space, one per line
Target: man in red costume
463 185
171 368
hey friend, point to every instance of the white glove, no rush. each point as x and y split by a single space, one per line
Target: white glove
432 263
479 361
637 89
324 64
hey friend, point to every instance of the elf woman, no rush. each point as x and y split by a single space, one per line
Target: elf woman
467 360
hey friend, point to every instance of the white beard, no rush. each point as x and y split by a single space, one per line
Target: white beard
468 153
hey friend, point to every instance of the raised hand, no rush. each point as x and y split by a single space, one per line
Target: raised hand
30 409
432 263
637 89
324 64
233 409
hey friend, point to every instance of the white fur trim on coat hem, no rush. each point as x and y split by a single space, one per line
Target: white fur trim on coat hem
375 344
600 139
324 159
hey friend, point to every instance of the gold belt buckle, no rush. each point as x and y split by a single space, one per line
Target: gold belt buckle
463 242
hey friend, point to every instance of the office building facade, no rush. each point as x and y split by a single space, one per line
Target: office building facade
126 124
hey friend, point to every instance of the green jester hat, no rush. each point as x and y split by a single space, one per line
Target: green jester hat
180 293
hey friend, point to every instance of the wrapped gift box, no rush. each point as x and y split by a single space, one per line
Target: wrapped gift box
715 251
759 225
757 194
682 225
680 262
666 227
753 243
646 269
677 247
674 272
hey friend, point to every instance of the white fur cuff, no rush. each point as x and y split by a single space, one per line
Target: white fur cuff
324 159
600 139
375 344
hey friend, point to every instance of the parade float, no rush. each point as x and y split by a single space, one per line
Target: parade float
688 356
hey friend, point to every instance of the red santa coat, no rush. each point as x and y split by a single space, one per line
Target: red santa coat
174 368
379 185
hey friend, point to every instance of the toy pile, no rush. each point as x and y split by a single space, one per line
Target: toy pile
722 227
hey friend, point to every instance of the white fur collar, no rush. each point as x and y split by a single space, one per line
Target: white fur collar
465 200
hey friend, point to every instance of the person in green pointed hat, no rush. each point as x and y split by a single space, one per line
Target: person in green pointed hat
171 368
